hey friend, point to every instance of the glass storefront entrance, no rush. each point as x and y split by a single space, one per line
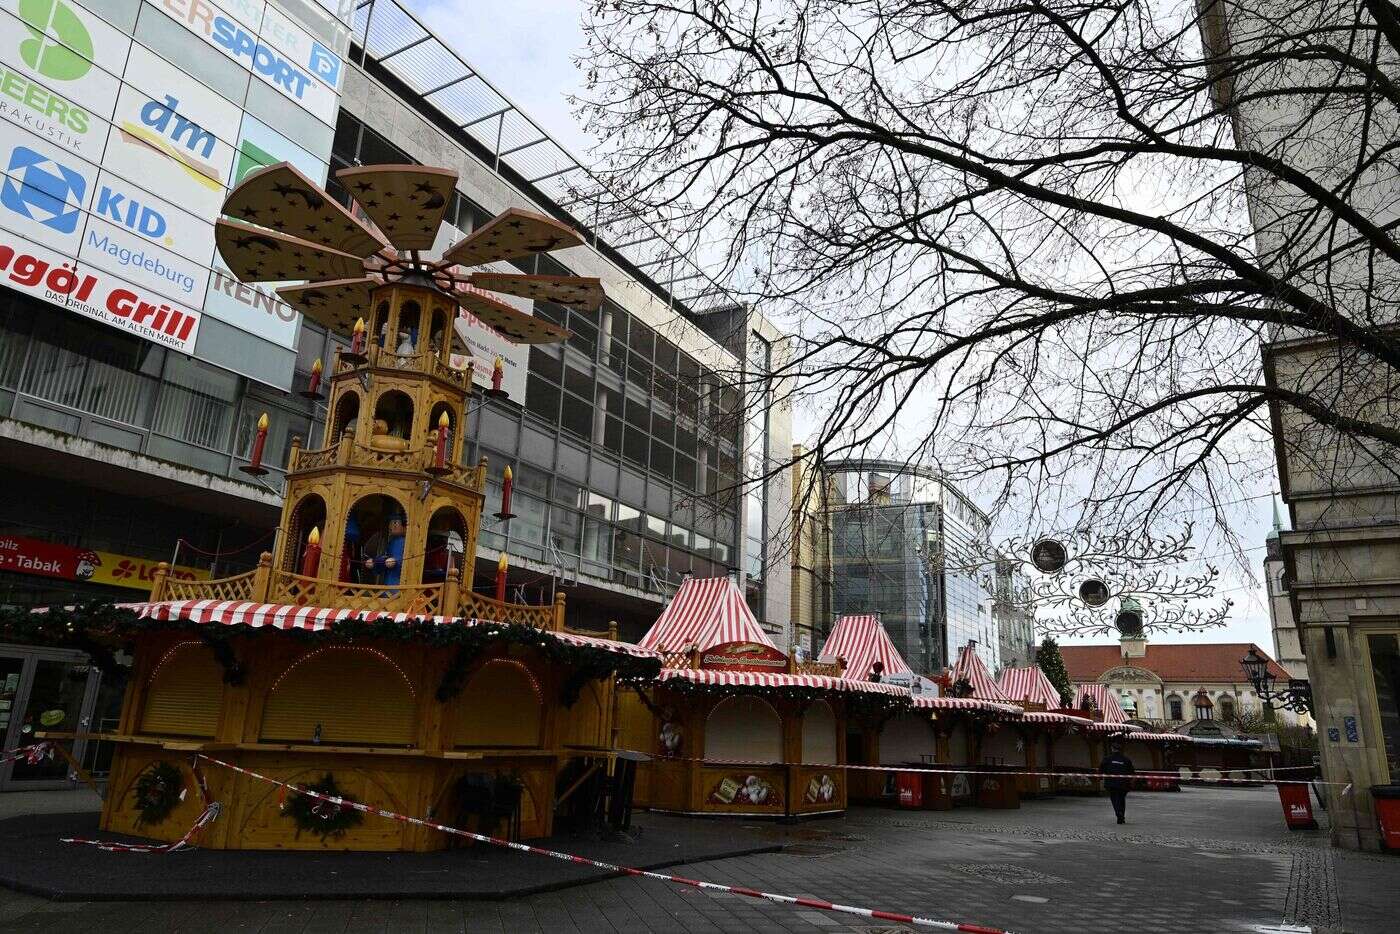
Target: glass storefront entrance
43 690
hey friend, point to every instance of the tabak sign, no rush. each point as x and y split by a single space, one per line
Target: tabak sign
51 559
744 656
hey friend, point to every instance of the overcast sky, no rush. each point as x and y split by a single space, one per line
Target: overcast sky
527 48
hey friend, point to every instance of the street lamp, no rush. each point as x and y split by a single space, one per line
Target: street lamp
1297 696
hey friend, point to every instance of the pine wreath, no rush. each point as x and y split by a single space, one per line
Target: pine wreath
158 791
321 817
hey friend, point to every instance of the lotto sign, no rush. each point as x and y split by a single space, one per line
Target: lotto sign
52 559
104 297
307 74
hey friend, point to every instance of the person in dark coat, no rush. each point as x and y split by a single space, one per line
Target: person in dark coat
1117 770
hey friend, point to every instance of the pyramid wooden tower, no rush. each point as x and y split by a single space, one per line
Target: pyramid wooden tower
400 683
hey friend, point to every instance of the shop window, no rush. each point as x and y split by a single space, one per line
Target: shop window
501 706
350 695
542 399
743 729
819 734
185 692
1175 707
1385 669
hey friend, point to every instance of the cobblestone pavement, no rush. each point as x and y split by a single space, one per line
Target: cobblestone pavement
1204 860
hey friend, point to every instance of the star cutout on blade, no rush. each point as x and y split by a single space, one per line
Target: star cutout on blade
250 212
364 186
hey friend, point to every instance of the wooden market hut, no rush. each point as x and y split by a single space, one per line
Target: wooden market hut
355 657
733 725
1081 752
1041 726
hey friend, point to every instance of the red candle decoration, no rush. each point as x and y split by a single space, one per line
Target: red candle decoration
311 557
357 341
507 484
501 579
444 432
498 373
254 465
315 385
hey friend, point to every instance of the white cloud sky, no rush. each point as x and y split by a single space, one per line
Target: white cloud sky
526 48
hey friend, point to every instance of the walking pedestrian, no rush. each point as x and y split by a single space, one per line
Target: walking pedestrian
1117 770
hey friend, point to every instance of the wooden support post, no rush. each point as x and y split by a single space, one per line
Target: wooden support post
451 592
158 581
294 454
559 611
262 578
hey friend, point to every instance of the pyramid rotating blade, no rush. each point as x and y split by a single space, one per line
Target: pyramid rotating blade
281 198
406 202
256 254
335 305
583 293
515 326
515 234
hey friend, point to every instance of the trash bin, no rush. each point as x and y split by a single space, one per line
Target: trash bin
911 789
1297 806
1387 798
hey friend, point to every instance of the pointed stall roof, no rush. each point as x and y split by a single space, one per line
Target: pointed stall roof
1104 700
862 642
1029 684
705 612
971 668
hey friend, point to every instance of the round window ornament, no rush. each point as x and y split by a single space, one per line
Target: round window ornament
1049 556
1093 592
1129 620
52 717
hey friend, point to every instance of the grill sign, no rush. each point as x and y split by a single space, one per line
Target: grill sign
744 656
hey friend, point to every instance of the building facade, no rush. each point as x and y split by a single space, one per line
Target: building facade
1164 684
1340 558
133 368
907 545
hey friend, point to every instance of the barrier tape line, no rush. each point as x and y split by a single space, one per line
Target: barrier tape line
32 755
612 867
973 770
206 817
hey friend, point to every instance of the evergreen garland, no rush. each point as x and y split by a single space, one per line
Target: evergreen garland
323 818
1048 659
157 791
97 627
858 703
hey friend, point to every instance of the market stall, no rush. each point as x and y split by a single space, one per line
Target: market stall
1082 752
1040 726
733 725
989 742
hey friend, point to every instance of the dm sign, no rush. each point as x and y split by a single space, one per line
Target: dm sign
744 656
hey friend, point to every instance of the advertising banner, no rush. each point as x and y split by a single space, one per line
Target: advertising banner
50 559
283 56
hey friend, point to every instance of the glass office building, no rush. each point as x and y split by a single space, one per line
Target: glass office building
910 547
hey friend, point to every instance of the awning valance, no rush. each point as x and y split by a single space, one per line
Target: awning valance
779 680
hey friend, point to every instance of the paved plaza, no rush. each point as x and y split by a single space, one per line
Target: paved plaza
1207 860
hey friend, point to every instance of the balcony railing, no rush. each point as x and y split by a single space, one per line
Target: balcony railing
346 452
447 599
426 362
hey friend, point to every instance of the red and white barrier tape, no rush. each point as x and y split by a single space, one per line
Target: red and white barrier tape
206 817
32 755
984 770
611 867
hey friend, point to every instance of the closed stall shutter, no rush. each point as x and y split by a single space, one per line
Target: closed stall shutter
501 706
819 734
906 739
744 729
185 693
357 696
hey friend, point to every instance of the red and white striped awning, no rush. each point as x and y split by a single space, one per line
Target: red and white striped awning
925 702
1146 736
970 668
862 642
778 680
1028 685
705 612
1105 700
1050 716
1095 727
318 618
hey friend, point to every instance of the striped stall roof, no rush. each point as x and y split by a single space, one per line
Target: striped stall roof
1029 685
778 680
705 612
925 702
1143 736
316 618
1104 700
970 668
862 642
1050 716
